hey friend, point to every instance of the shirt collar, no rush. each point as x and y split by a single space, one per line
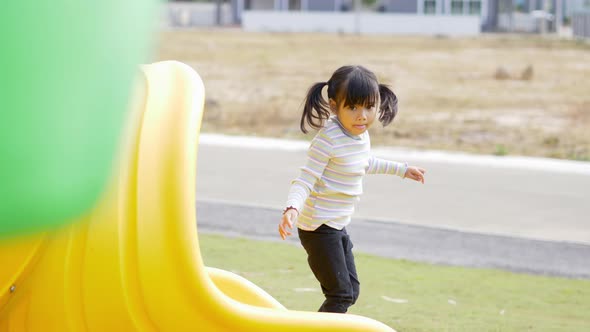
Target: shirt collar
335 119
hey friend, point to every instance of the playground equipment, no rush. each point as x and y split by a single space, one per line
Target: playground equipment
132 263
66 72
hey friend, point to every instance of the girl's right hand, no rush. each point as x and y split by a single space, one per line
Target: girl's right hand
289 218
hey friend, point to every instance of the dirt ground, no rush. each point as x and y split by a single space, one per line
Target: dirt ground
451 93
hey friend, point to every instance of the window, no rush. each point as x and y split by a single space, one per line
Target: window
465 7
457 7
430 7
259 4
475 7
294 4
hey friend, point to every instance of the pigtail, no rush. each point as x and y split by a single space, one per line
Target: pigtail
316 110
388 107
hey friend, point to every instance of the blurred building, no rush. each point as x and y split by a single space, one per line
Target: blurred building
536 16
432 17
579 13
350 16
322 5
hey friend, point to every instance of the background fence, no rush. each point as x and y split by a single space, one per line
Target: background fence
581 25
365 23
186 14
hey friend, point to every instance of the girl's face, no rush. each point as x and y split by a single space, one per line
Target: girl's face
355 119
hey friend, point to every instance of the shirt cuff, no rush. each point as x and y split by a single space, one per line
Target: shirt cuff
402 170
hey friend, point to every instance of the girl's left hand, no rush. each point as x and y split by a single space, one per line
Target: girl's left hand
415 173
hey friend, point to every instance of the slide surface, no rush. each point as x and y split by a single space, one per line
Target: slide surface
133 263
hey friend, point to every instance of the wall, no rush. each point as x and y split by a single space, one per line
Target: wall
400 6
366 23
187 14
262 4
518 22
581 25
328 5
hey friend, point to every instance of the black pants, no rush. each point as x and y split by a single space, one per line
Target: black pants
329 254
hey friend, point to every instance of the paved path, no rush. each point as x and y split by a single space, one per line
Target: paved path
416 243
465 200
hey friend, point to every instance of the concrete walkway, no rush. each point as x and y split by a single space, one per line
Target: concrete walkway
493 197
415 243
522 197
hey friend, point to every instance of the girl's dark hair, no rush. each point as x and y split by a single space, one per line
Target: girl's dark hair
349 85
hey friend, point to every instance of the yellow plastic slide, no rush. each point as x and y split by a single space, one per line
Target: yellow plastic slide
133 262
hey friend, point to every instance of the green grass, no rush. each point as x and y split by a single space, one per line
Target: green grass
440 298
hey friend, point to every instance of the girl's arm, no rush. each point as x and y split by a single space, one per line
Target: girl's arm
318 155
382 166
320 152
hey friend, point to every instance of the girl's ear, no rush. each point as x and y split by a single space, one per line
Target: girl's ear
333 106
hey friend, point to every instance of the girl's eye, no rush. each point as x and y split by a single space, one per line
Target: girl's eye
357 107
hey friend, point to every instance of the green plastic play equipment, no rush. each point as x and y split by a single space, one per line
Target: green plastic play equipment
66 69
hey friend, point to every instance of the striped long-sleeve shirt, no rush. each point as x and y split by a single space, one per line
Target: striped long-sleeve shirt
331 182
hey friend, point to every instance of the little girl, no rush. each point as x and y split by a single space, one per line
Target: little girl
321 200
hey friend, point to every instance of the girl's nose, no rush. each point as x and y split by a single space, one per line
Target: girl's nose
363 114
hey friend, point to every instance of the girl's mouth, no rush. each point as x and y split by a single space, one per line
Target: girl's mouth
360 127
